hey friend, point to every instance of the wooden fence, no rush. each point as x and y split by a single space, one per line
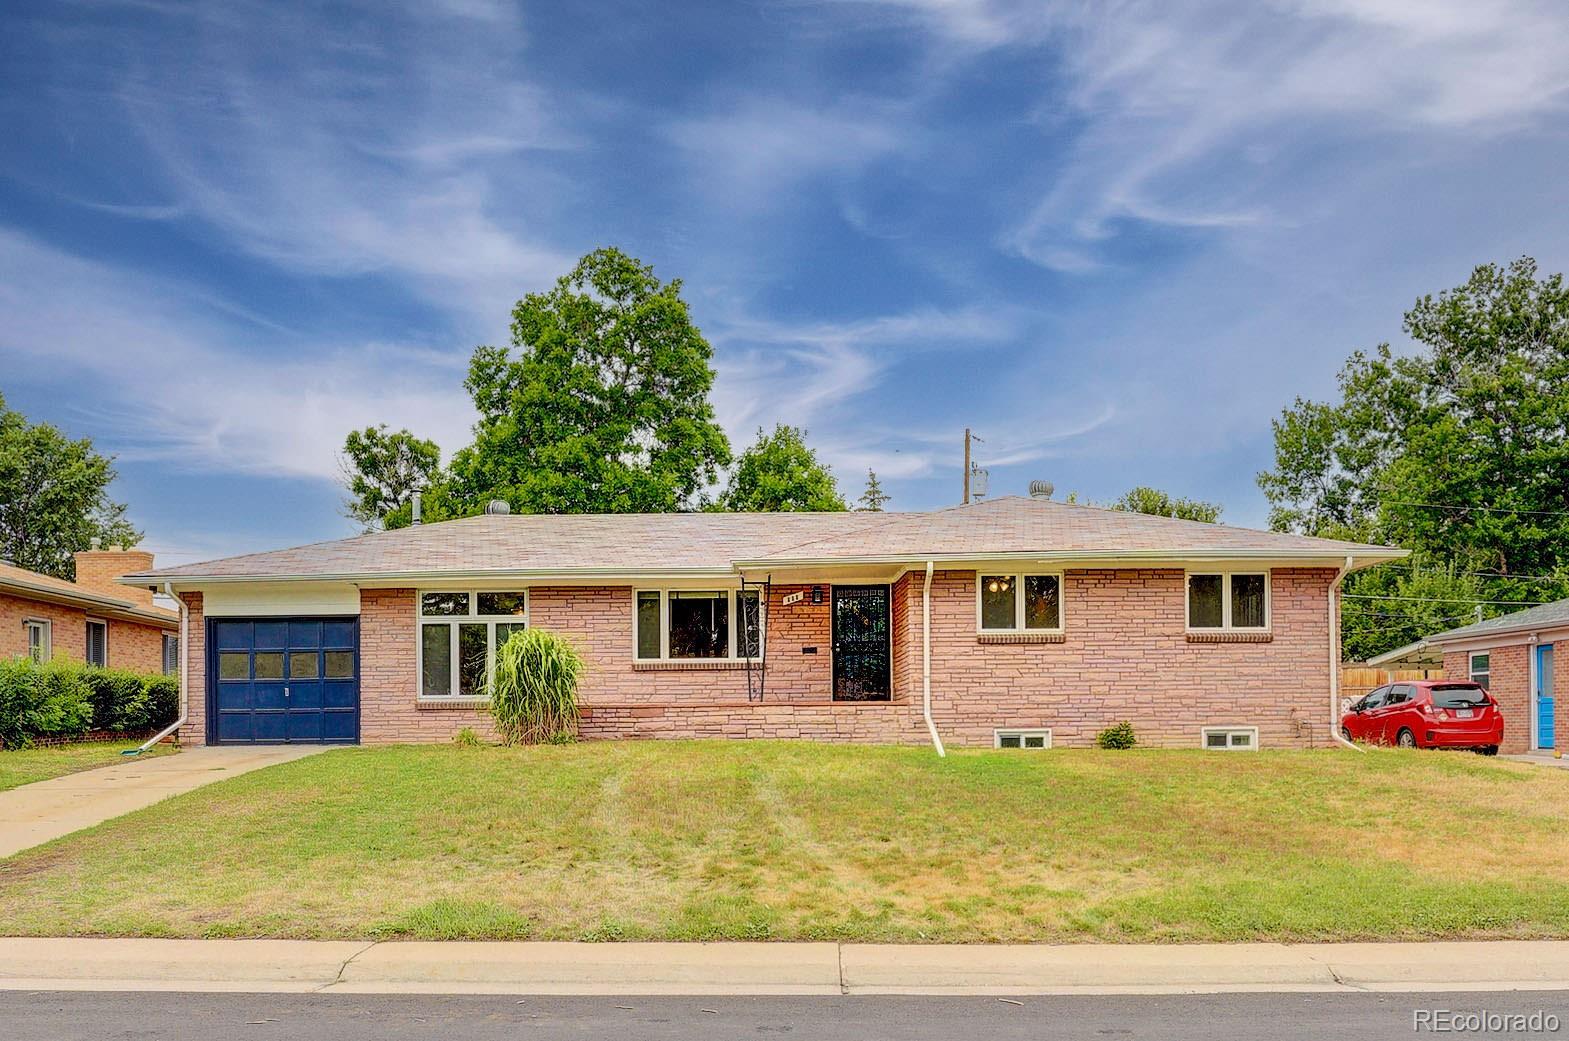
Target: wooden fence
1356 680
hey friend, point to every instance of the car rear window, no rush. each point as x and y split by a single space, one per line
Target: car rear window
1458 695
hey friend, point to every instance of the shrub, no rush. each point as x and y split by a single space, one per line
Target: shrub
64 698
51 699
466 738
118 698
1119 735
534 693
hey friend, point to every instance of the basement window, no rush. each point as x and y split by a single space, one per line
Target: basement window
1231 739
1033 739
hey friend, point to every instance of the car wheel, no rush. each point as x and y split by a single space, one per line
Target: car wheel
1345 732
1488 750
1405 739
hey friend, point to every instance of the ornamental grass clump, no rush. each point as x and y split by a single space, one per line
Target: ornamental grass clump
534 693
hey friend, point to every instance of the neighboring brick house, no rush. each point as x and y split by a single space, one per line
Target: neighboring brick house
94 619
1513 656
1012 622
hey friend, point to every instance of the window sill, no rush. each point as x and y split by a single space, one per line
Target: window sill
693 665
1016 637
451 704
1230 636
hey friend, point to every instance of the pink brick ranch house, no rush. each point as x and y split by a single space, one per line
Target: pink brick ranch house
1012 622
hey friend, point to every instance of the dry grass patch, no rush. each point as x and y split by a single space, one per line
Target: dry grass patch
789 840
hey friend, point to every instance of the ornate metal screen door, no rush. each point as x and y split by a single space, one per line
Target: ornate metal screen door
860 638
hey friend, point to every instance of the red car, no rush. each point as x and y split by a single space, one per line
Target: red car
1427 714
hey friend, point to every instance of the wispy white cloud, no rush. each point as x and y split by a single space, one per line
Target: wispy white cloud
153 360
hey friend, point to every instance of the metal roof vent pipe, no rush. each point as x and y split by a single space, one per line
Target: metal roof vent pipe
414 508
1041 489
498 508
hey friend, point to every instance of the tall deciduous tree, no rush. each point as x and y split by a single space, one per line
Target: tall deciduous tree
1458 451
780 472
1144 499
601 404
383 469
54 497
874 498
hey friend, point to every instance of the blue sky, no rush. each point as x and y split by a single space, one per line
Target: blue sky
1114 238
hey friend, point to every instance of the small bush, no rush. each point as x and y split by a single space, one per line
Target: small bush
163 700
534 693
118 698
466 738
1119 735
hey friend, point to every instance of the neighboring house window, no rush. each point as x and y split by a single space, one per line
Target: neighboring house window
1019 603
1232 600
39 638
459 634
97 642
683 624
1482 669
171 654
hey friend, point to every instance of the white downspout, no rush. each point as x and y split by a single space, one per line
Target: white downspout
1334 655
185 685
926 661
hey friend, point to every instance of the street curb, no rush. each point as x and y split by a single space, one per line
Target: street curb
417 967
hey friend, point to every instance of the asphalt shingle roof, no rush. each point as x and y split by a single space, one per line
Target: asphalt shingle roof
714 541
23 582
1539 617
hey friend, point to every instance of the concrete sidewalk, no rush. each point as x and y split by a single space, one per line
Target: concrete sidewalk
35 813
767 968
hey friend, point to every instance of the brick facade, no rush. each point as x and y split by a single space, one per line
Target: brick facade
132 645
1124 654
1510 686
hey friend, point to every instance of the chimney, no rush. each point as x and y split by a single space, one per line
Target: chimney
97 569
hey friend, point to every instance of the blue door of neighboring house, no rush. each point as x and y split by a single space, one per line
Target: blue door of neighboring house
1544 695
283 681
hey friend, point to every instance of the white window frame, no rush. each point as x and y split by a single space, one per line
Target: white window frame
87 648
171 663
1021 733
1225 603
1018 601
732 595
1231 746
1472 673
453 621
45 630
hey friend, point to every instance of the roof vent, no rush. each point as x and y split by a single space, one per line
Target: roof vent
1041 489
497 507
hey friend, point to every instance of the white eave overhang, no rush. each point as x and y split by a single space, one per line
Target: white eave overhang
1137 558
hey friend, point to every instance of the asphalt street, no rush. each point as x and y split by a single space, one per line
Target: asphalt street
61 1016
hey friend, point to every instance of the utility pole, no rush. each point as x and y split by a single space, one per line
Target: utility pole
966 466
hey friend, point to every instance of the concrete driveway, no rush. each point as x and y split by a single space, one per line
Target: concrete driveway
35 813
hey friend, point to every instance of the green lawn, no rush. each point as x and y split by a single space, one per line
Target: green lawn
27 765
754 840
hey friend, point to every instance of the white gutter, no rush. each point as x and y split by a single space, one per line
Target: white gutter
1334 654
185 673
926 661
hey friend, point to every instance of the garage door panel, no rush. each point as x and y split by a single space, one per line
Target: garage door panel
235 726
340 694
283 680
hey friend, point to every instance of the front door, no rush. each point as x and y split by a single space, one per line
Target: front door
1544 696
860 643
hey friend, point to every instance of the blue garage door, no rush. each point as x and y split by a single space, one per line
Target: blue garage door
283 681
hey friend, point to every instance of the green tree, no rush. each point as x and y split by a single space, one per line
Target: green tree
874 498
1457 451
1144 499
781 473
383 470
54 497
601 405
